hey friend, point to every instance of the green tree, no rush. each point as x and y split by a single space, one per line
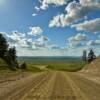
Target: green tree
8 54
12 57
3 46
91 56
12 53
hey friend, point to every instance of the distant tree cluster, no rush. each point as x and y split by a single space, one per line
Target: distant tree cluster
91 56
7 53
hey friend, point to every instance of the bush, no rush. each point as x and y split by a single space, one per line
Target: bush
23 66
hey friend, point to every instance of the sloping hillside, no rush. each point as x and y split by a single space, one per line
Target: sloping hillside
2 63
93 68
92 71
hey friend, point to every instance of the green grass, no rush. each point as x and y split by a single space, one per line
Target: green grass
3 66
64 65
31 67
5 69
70 66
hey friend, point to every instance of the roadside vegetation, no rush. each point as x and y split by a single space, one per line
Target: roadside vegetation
8 59
4 68
29 67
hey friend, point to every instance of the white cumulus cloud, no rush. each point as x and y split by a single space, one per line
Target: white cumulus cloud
74 12
90 26
45 3
77 40
35 31
34 14
78 37
37 8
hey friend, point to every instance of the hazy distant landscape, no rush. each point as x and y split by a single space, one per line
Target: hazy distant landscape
52 58
57 63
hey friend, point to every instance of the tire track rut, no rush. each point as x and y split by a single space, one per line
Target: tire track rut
19 91
62 89
55 85
43 90
88 87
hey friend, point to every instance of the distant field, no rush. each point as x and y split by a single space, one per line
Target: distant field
36 64
67 66
55 63
48 60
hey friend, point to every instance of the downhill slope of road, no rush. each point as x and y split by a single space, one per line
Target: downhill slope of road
51 85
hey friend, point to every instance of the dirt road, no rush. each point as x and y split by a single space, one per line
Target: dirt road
51 85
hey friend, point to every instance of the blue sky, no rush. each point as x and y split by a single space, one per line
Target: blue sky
51 27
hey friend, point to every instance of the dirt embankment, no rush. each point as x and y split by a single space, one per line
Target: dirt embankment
92 71
93 68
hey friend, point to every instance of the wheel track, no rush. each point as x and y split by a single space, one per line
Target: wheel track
62 89
77 91
36 93
17 93
43 91
88 87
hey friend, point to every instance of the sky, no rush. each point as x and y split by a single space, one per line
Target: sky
51 27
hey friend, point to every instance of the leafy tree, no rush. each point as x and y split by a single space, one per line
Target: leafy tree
91 56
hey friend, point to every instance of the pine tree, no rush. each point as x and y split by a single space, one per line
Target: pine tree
91 56
12 56
3 46
12 53
8 54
